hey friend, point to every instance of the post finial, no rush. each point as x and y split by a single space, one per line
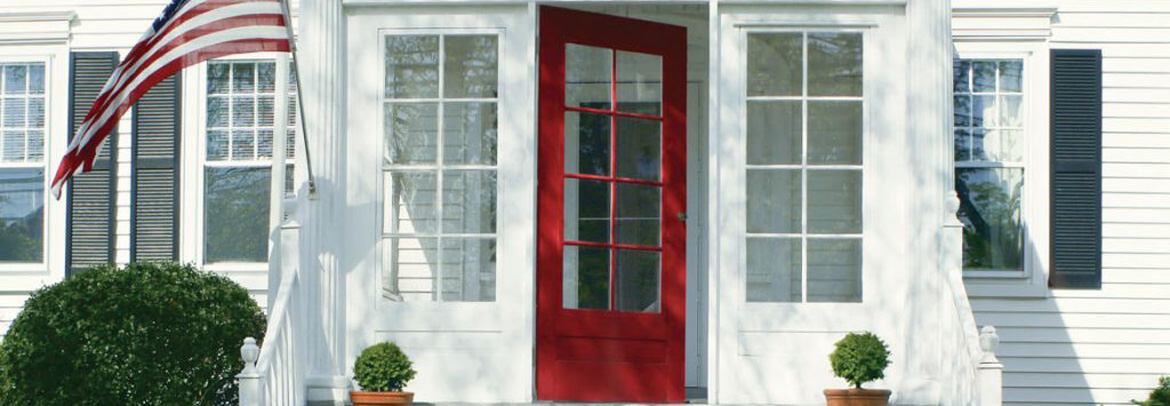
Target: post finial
989 340
250 352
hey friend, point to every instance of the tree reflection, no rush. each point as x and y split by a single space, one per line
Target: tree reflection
990 211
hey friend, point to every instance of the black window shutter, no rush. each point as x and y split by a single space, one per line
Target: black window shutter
1076 169
90 220
155 214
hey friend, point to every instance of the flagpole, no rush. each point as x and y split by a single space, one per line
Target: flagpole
292 46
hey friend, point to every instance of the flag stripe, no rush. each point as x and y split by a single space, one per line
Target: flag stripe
188 32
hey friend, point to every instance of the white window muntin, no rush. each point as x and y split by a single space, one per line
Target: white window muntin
439 168
804 236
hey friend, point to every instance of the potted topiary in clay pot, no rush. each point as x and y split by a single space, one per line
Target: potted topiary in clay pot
381 372
859 358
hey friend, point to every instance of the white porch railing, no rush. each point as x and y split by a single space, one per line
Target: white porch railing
970 374
274 374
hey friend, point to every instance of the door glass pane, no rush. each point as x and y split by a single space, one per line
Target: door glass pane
773 201
469 269
588 76
773 132
834 132
585 278
411 199
586 210
834 270
412 66
773 269
22 202
992 231
639 209
469 201
637 280
775 64
470 66
639 83
469 133
587 143
834 64
411 133
236 225
413 264
639 148
834 201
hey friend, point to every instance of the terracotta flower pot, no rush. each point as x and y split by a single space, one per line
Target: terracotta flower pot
857 397
380 398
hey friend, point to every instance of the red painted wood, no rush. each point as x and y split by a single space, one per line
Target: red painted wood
606 355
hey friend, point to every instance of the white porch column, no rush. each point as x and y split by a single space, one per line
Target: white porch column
321 39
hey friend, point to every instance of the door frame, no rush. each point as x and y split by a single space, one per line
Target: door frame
557 27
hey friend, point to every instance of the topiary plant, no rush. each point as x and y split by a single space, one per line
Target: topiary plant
383 368
148 334
1160 396
860 358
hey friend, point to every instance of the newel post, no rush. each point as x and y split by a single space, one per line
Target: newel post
249 378
990 369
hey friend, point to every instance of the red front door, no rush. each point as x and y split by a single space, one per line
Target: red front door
611 281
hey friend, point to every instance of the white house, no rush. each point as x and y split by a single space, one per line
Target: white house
634 201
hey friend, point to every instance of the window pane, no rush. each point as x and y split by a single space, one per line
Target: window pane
264 143
637 281
266 77
15 111
217 111
243 145
218 77
36 78
36 145
962 110
235 220
639 209
585 283
639 145
22 202
412 202
774 132
266 111
469 133
834 64
469 201
773 201
588 76
217 145
1011 76
775 63
587 143
1011 113
469 269
412 66
834 270
962 76
13 146
243 111
834 132
983 112
586 210
15 79
962 145
998 145
470 69
990 212
413 264
412 133
983 75
834 201
36 112
773 269
639 83
243 77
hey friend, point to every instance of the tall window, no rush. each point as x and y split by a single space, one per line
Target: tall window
989 161
241 121
439 166
22 166
804 167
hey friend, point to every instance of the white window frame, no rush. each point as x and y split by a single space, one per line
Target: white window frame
803 166
1031 281
53 221
194 154
439 167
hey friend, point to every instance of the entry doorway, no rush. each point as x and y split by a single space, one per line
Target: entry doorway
611 280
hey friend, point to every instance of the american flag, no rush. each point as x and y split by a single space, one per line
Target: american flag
188 32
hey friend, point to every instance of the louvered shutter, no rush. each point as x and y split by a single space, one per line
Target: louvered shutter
91 225
1076 169
154 222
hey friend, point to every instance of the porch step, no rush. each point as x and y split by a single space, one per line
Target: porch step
695 396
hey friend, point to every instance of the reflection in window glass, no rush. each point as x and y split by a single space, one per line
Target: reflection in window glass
22 203
235 228
805 128
22 144
989 161
439 166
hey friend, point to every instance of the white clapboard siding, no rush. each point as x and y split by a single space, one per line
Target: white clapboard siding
1107 346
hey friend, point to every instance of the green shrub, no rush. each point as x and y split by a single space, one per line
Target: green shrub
382 368
1160 396
148 334
860 358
